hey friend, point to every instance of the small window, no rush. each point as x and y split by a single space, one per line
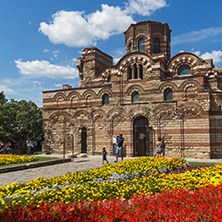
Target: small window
135 73
184 70
140 71
105 99
156 45
168 94
141 45
130 47
129 72
135 97
109 79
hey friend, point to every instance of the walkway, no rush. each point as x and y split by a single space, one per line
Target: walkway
80 164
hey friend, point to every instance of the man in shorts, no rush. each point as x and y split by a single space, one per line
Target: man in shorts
119 147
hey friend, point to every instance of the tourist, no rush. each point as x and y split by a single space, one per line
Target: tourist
159 147
29 146
105 155
114 145
119 147
6 149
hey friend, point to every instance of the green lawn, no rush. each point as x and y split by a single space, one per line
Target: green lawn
200 164
40 159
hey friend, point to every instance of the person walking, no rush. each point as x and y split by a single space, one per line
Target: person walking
105 155
159 147
119 147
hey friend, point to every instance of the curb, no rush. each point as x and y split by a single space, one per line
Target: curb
32 165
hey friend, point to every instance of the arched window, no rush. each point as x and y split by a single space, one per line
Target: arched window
130 47
141 45
156 45
83 140
105 99
135 97
59 102
184 70
168 94
89 100
129 72
135 73
140 71
109 79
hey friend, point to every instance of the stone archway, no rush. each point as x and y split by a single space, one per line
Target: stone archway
83 140
142 137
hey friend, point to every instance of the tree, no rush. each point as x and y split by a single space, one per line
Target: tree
3 100
19 120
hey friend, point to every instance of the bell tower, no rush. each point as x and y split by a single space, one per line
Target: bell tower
150 37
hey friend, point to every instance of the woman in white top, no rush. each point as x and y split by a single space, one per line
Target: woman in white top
29 146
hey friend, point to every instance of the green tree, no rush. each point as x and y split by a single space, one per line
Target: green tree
3 100
19 120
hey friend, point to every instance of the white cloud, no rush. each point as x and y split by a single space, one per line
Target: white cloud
77 29
45 69
195 36
197 53
58 85
37 83
215 55
55 53
116 60
110 21
6 89
45 51
144 7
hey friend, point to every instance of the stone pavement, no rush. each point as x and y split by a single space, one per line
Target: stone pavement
79 164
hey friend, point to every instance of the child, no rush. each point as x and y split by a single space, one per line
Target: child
104 155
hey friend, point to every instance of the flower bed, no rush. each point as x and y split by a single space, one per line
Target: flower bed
13 159
108 184
170 205
90 185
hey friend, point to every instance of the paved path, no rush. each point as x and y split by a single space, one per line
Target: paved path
80 164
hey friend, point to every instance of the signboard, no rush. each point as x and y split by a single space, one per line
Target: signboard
69 142
68 146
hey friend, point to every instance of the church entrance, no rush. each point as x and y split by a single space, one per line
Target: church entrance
142 137
83 140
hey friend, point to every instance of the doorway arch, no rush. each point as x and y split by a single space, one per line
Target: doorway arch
142 137
83 140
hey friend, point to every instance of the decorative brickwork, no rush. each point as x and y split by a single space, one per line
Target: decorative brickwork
129 98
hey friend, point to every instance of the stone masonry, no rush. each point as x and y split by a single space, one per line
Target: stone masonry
145 95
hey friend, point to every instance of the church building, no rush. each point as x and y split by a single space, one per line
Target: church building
146 94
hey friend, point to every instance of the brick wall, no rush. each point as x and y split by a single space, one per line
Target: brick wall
190 122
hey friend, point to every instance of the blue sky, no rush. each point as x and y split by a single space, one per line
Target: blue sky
41 39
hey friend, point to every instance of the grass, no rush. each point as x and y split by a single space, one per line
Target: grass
200 164
40 159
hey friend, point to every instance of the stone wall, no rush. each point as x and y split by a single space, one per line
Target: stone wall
187 137
190 120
